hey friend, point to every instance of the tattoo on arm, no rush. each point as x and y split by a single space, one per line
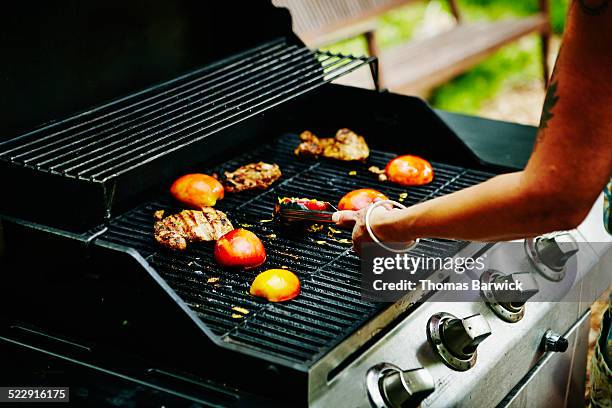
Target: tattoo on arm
591 8
549 102
596 9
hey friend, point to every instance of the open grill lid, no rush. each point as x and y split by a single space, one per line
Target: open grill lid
102 155
64 56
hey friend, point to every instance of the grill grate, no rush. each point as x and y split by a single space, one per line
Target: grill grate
329 307
123 135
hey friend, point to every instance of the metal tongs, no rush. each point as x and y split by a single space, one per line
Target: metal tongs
291 210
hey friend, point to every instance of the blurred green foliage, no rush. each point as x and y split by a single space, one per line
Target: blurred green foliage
517 63
492 8
513 64
400 24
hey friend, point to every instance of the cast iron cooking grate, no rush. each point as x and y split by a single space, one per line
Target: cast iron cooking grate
329 307
121 136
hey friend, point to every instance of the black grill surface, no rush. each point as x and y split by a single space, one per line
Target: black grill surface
329 307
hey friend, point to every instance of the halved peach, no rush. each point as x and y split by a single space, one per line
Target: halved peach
276 285
239 248
197 190
358 199
409 170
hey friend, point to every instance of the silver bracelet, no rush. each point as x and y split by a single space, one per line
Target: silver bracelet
374 237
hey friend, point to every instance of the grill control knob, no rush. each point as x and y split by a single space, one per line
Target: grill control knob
549 254
390 387
455 340
508 305
553 342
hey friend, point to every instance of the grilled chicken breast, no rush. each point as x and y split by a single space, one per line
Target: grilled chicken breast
254 176
347 146
176 230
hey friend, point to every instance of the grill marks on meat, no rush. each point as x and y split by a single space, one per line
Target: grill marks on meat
175 231
254 176
347 146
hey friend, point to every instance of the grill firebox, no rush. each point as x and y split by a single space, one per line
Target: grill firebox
330 305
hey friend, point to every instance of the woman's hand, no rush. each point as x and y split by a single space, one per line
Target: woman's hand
356 220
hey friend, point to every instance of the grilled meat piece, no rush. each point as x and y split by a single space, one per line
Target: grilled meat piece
311 146
347 146
254 176
176 230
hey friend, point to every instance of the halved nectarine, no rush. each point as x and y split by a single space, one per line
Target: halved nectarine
358 199
239 248
197 190
276 285
409 170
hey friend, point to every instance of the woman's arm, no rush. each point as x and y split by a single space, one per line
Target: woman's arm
570 164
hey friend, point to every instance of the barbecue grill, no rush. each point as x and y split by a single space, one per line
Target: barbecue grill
103 171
